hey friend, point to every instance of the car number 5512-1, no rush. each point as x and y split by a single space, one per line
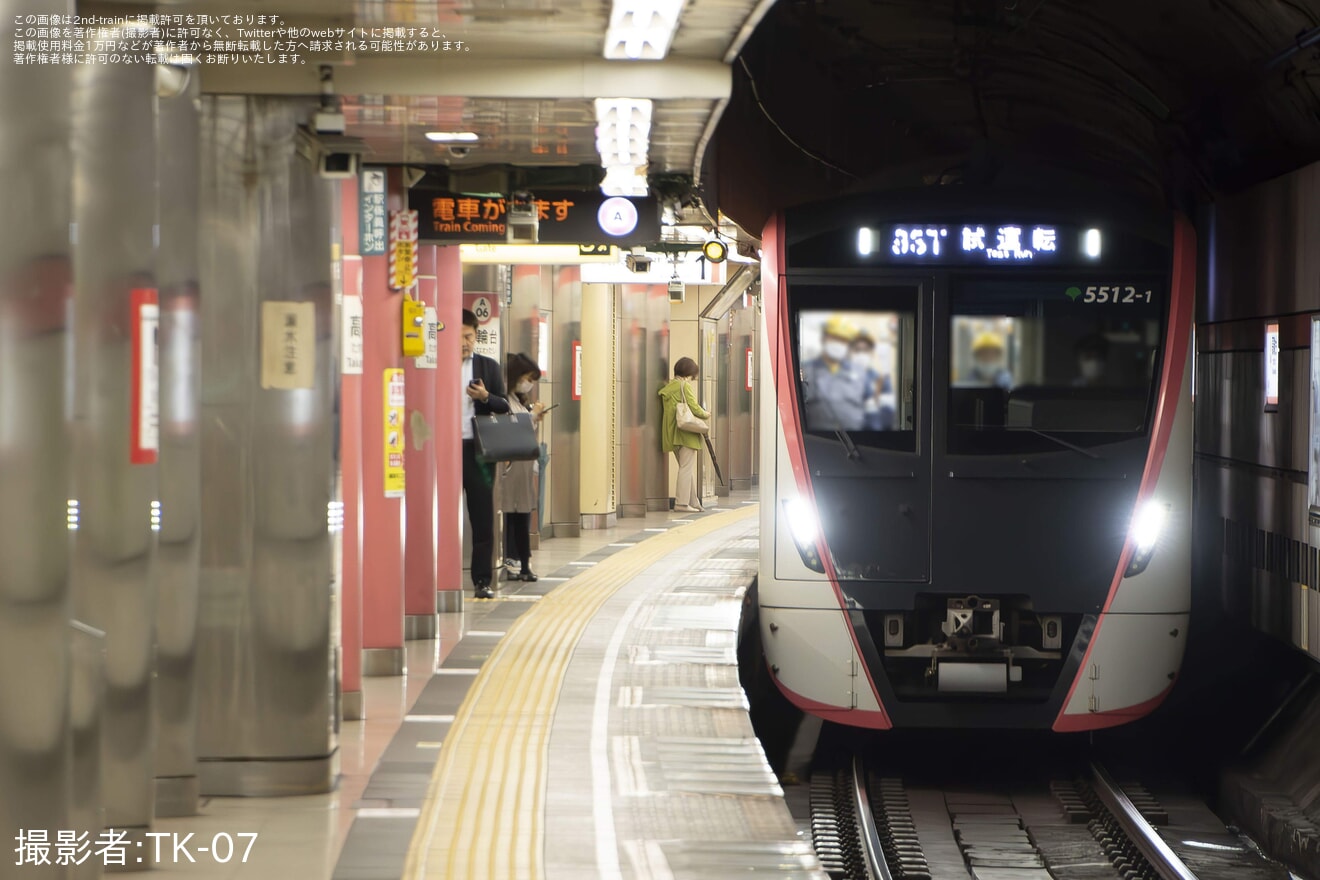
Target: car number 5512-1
1115 294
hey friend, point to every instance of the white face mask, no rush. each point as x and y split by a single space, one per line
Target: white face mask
1091 368
989 369
524 386
836 350
860 359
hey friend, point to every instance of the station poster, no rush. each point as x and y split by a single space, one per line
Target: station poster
394 407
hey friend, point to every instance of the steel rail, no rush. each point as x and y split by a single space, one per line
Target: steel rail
1163 859
871 847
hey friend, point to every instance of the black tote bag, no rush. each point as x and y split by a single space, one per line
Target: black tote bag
509 437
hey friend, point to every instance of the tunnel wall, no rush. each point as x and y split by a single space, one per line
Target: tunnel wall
1258 528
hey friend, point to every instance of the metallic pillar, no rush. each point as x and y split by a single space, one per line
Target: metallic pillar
737 463
635 399
657 375
448 441
351 704
35 462
564 515
114 398
264 654
597 475
710 364
178 559
383 524
419 569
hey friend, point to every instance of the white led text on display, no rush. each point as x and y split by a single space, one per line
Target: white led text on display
1007 243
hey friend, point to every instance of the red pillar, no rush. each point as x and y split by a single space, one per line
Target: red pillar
448 431
383 523
419 567
350 466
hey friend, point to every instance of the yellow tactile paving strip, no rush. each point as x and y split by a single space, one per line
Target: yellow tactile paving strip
483 816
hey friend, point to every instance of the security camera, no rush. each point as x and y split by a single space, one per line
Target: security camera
459 152
638 263
336 156
339 166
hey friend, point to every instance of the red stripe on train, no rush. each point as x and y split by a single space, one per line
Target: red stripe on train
1181 316
772 250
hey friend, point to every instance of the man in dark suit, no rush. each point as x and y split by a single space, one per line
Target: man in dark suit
483 384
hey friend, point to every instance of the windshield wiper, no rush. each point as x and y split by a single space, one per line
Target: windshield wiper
1065 444
849 447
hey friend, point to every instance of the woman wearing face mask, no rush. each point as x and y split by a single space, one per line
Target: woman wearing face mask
834 391
1092 355
517 492
684 444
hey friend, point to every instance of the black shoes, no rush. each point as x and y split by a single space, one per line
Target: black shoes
483 590
527 575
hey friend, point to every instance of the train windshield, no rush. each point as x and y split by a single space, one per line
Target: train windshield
858 370
1037 364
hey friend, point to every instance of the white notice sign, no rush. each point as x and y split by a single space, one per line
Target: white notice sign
351 343
288 345
431 359
1271 364
148 379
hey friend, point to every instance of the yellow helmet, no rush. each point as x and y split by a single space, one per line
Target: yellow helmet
987 341
840 328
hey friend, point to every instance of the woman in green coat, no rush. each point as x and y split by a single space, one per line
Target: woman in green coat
684 444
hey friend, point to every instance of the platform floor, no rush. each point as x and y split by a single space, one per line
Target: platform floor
517 790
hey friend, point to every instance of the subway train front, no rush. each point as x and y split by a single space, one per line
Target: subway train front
977 433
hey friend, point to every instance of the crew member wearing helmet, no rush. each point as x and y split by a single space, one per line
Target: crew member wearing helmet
879 411
834 391
988 364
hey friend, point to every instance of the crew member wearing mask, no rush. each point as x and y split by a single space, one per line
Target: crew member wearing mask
878 416
988 362
1092 356
834 390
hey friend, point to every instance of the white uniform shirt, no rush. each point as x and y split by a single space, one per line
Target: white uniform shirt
469 405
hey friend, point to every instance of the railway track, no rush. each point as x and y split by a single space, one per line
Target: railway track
867 825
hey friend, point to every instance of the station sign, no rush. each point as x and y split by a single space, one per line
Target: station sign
371 212
581 217
486 306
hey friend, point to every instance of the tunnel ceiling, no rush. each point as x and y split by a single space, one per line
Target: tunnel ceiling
1176 100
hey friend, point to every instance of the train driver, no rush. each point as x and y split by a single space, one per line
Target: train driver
988 364
879 411
834 390
1092 358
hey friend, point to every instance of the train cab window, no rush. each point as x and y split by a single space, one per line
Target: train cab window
857 369
1033 359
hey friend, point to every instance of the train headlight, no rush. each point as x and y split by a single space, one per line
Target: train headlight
1145 534
805 528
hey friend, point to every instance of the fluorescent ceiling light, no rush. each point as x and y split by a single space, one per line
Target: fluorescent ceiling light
452 137
641 29
623 138
623 180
